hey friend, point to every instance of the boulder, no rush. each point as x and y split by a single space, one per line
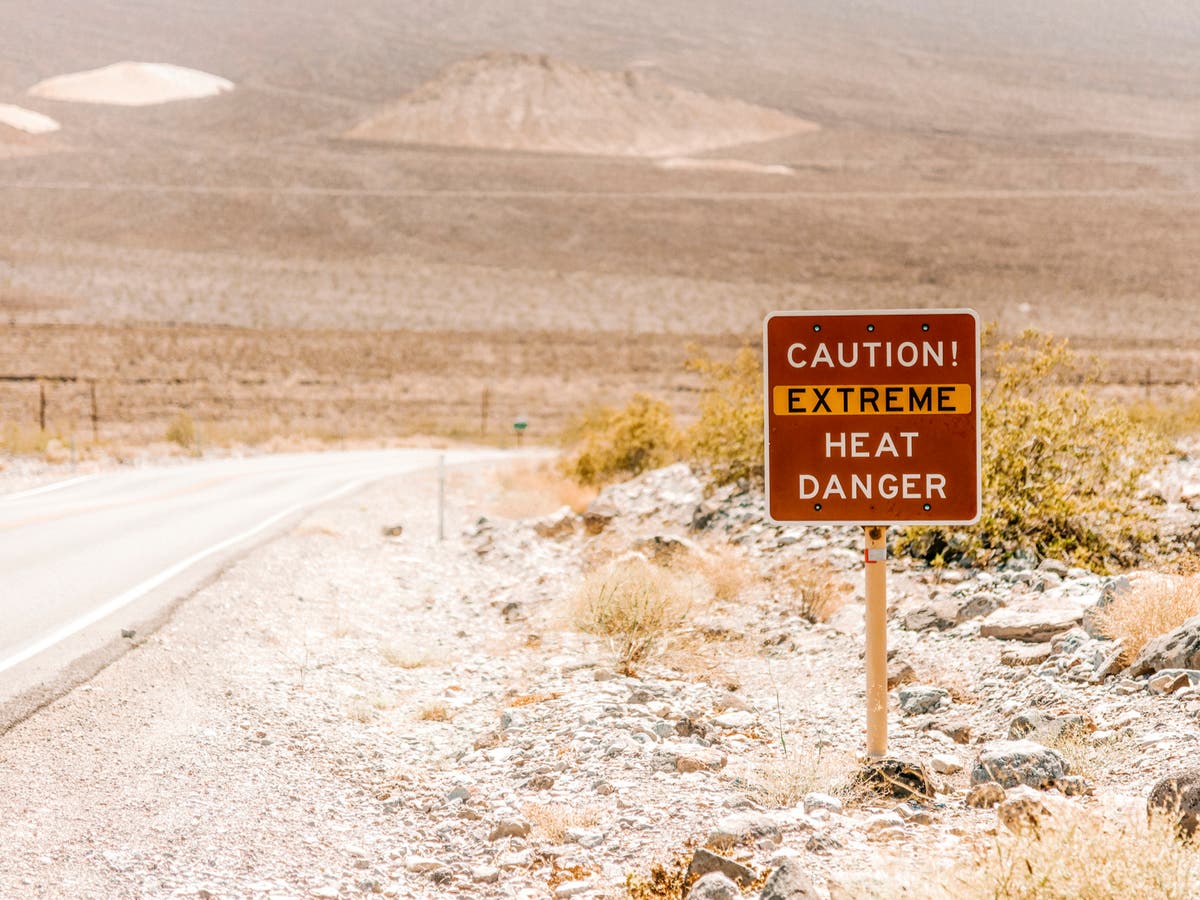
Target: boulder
1113 588
916 699
789 881
741 828
985 795
1022 810
1177 796
1034 621
714 886
1010 763
705 862
1045 726
556 525
1178 649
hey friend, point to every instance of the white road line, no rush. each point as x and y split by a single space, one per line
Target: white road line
47 488
124 599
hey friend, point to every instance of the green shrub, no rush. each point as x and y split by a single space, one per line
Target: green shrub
612 444
727 440
1060 468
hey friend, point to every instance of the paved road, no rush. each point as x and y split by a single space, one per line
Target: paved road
82 558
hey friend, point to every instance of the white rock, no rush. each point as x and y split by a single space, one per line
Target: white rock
946 763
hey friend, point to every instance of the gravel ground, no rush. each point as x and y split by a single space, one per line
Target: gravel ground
348 711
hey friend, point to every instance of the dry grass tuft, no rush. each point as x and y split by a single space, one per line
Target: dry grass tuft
816 590
360 709
553 819
404 657
434 712
783 780
1085 756
1157 604
726 570
634 605
1084 855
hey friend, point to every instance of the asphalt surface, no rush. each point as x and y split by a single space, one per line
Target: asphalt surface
85 561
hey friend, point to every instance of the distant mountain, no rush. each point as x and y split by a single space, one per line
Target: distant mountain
536 103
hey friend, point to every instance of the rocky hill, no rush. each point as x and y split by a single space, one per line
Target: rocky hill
540 104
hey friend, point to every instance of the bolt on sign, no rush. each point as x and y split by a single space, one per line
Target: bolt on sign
872 418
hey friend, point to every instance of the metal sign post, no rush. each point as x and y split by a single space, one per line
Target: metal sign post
871 418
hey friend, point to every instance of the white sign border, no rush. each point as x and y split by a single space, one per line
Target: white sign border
978 420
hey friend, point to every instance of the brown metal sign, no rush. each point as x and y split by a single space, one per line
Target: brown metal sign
872 418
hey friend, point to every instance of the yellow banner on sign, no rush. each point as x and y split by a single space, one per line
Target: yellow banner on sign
871 399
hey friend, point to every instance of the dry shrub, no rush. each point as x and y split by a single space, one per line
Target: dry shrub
553 819
531 699
1085 756
727 439
634 605
1156 605
614 444
434 712
726 570
1081 856
815 589
404 656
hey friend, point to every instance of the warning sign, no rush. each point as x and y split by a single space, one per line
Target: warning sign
872 418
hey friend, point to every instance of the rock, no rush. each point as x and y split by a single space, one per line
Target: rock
916 699
816 800
690 758
705 861
1022 810
1168 681
938 614
598 516
1073 786
1177 797
742 828
1010 763
946 764
1178 649
1034 622
1113 588
665 549
900 671
1025 656
1054 567
572 889
422 864
714 886
485 875
956 729
509 828
789 881
822 843
1043 726
985 795
884 822
896 778
557 525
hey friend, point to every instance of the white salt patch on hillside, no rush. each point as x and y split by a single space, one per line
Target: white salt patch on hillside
132 84
26 120
687 164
